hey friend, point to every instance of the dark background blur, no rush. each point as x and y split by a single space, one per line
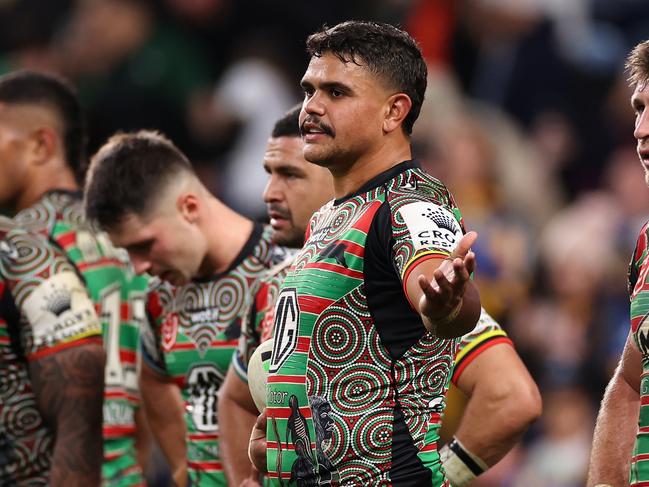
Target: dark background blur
527 120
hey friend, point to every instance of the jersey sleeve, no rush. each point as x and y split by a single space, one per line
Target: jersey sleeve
425 223
250 336
486 334
54 307
638 257
154 330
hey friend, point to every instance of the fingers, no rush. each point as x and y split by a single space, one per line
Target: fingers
464 245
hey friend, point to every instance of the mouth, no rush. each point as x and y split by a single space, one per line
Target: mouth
312 132
278 219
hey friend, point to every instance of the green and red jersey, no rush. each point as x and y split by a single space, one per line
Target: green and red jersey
639 295
357 384
44 308
119 298
195 330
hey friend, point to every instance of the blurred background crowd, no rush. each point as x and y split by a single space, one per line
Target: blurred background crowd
527 120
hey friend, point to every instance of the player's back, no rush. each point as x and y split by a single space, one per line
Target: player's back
119 296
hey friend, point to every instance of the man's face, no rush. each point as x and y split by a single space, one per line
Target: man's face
163 245
14 153
640 102
342 113
295 189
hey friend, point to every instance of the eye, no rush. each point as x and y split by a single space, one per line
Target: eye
308 91
336 93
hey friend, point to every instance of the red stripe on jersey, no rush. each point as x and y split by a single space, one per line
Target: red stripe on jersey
431 447
2 288
353 248
435 418
104 261
205 466
364 222
290 446
644 400
312 304
640 484
127 356
285 412
63 346
303 344
640 457
67 239
475 353
202 436
338 269
4 340
274 475
215 343
120 394
291 379
118 431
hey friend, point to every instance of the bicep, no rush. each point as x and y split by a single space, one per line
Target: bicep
69 380
236 391
630 366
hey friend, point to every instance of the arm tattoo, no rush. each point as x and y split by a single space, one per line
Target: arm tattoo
69 389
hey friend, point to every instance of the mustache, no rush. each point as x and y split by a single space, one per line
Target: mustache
327 129
282 211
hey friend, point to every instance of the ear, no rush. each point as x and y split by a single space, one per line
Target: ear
189 206
397 109
45 143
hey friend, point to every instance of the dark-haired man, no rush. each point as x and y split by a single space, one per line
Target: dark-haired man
620 452
42 157
504 399
367 317
144 192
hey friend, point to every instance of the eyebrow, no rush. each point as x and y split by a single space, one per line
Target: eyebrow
328 85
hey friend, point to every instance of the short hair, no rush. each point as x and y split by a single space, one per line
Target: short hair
128 173
637 64
289 124
388 52
53 92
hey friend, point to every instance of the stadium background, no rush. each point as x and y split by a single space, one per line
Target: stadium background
527 120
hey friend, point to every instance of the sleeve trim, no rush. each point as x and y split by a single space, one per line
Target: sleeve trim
412 264
473 351
94 338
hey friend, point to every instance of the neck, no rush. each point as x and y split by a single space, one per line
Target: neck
42 182
350 178
227 232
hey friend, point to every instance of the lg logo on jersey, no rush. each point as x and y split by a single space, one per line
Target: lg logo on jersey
287 314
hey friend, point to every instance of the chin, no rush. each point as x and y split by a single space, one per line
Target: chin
316 156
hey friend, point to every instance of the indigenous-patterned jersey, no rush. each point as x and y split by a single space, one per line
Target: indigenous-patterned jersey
196 329
44 308
257 326
356 383
119 298
639 294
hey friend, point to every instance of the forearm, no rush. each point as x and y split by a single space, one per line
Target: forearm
614 435
235 424
69 387
164 409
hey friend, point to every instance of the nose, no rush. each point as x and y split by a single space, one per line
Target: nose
313 105
642 125
271 191
140 264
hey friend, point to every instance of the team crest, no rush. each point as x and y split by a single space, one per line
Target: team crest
169 332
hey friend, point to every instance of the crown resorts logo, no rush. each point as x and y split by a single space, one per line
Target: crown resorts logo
59 301
440 219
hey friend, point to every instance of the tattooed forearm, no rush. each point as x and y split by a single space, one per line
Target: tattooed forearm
69 388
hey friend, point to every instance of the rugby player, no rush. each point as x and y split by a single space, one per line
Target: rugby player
145 193
373 303
620 452
51 367
503 398
43 162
